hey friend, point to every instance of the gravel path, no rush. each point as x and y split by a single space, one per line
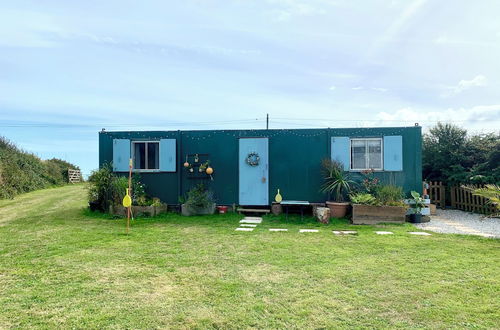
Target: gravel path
460 222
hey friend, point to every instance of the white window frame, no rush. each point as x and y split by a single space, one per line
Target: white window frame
145 155
366 154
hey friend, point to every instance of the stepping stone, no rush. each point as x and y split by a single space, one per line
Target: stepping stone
421 233
246 225
252 218
244 229
308 231
384 232
251 221
344 232
277 229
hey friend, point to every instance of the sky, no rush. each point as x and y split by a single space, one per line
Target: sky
70 68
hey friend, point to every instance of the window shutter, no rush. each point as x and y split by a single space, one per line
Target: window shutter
168 158
121 155
341 151
393 153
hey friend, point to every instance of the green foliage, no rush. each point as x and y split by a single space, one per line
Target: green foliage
336 181
199 197
389 195
417 202
21 171
106 188
490 191
363 198
451 156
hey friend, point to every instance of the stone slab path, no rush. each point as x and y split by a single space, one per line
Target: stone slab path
255 221
277 229
344 232
421 233
308 231
244 229
384 232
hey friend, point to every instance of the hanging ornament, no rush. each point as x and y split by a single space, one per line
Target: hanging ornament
253 159
196 158
186 163
209 170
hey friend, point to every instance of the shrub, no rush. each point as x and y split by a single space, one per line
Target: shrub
199 197
106 188
363 198
21 171
389 195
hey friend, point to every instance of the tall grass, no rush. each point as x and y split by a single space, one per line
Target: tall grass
21 171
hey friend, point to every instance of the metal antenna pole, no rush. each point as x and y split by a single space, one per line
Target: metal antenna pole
267 121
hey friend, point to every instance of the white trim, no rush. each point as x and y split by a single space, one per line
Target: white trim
366 154
145 170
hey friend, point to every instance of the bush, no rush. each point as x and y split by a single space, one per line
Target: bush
363 198
21 171
199 197
106 188
389 195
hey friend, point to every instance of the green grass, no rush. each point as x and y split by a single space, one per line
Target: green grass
64 267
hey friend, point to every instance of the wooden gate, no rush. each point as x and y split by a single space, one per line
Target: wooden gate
74 176
437 193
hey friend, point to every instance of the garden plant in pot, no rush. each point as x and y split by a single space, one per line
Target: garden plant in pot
417 204
199 201
337 185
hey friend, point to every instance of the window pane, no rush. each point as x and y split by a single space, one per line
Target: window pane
358 150
375 154
153 154
139 155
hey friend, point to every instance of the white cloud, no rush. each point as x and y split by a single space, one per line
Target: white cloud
480 117
477 81
357 88
332 88
379 89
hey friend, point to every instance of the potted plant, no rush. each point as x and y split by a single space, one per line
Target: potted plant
416 204
337 184
384 205
199 201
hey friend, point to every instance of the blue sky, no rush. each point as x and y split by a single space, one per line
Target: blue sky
69 68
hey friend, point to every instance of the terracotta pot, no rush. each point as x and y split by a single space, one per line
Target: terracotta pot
337 210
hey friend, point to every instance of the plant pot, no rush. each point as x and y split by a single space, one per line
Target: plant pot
222 209
371 214
187 211
416 218
337 210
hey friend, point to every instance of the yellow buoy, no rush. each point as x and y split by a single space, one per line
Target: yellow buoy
278 197
127 201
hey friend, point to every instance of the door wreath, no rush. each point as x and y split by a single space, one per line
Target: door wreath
253 159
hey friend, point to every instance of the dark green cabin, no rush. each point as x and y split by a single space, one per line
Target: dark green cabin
250 165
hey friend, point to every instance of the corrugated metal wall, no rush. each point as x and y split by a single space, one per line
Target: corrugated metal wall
294 160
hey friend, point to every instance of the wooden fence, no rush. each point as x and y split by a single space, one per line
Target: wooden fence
463 199
459 198
74 176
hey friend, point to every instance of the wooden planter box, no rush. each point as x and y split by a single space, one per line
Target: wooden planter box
187 211
150 211
371 215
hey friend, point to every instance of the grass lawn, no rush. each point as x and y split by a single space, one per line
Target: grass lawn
64 267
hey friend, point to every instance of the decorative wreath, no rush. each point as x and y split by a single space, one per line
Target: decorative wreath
253 159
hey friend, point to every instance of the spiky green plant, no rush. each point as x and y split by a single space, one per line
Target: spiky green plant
337 181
